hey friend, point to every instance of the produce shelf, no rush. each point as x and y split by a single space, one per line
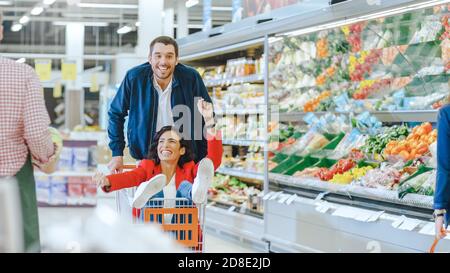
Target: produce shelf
238 80
236 142
240 173
418 205
384 116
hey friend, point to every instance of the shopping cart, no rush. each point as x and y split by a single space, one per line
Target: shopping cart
180 217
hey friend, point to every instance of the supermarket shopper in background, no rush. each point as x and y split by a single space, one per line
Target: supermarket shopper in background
25 138
148 95
442 194
169 170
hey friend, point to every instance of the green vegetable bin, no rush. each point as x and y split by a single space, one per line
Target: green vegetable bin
307 162
278 158
286 164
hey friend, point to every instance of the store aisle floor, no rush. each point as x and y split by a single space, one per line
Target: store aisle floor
49 216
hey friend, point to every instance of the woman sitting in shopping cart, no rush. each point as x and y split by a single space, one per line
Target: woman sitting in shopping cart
170 172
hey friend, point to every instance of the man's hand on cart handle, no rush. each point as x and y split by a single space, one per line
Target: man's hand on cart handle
100 180
116 164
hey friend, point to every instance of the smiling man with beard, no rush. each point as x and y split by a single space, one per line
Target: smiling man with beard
149 95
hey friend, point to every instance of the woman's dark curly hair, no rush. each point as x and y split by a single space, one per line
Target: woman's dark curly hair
153 151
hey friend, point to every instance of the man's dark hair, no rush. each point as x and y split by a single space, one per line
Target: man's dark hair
153 151
166 40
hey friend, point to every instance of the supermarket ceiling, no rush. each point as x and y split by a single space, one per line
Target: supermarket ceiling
44 33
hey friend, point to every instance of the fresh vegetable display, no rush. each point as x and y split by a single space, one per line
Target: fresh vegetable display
340 167
415 145
230 190
376 144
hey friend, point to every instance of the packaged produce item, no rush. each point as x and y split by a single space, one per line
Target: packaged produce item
74 191
308 172
66 158
58 191
81 159
430 27
89 191
43 186
385 177
413 185
429 186
318 141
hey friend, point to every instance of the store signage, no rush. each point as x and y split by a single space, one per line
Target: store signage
57 90
94 83
69 70
43 69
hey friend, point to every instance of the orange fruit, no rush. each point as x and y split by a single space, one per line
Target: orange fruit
427 127
404 154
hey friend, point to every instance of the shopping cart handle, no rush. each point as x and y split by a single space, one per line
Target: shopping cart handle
129 167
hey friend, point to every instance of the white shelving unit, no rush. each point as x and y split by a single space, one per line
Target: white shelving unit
241 173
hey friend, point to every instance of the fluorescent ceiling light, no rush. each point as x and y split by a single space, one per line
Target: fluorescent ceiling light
106 6
87 24
5 3
16 27
49 2
21 60
37 10
124 29
221 8
191 3
24 20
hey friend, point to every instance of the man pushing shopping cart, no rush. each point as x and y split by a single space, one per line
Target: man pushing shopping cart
171 188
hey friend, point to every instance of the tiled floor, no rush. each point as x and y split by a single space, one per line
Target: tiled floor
49 217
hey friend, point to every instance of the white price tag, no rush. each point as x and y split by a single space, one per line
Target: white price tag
363 216
291 199
428 229
275 196
321 195
267 196
399 221
231 209
283 198
323 208
409 224
375 216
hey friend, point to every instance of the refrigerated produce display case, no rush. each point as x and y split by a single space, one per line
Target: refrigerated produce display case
353 96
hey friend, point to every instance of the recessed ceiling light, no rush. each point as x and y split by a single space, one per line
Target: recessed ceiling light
124 30
87 24
16 27
107 6
37 10
24 20
49 2
191 3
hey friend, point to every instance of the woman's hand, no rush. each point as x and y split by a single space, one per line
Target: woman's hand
100 180
206 109
439 227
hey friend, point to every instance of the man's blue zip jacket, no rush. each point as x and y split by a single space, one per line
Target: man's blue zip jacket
138 99
442 194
